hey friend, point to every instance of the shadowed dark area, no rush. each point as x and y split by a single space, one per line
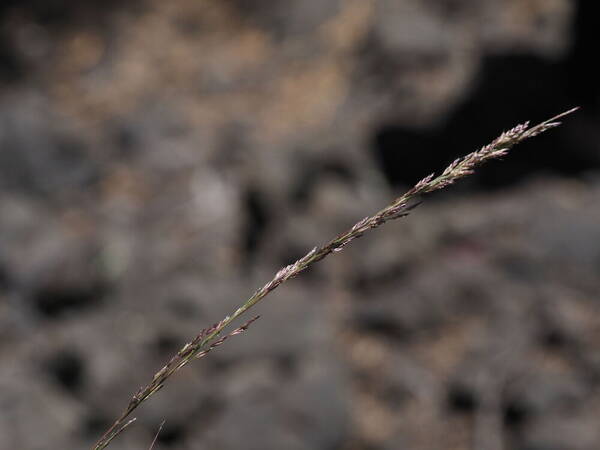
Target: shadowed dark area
5 281
60 13
11 68
461 399
67 369
382 324
510 89
94 425
166 344
171 435
582 74
516 414
257 219
54 301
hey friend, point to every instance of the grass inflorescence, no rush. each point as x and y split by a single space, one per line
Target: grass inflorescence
212 337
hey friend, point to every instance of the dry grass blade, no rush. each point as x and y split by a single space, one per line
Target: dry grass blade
162 424
209 338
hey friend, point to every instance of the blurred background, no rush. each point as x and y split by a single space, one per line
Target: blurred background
160 160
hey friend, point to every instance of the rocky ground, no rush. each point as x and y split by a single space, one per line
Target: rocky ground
159 161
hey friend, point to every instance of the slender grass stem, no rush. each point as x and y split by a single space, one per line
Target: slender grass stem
210 338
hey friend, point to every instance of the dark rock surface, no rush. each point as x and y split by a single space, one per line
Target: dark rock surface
159 161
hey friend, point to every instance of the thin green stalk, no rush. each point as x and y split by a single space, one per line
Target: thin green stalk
209 338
